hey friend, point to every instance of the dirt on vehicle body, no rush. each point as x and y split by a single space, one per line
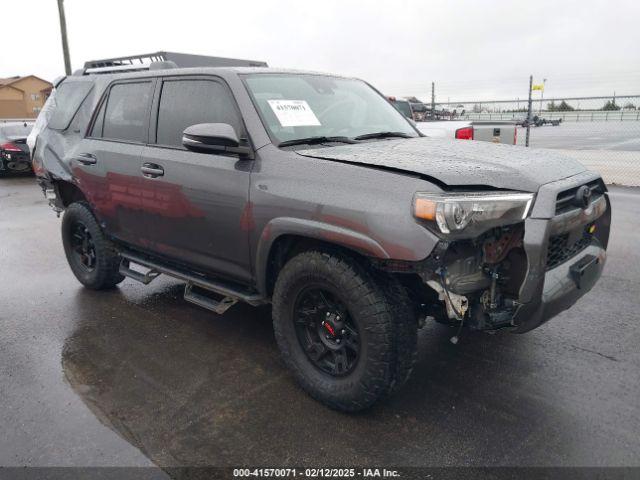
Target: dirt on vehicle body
313 193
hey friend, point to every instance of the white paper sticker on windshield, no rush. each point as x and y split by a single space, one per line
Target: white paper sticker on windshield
294 113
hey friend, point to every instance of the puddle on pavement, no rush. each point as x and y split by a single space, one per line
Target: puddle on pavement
188 387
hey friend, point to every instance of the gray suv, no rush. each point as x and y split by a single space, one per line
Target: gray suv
312 193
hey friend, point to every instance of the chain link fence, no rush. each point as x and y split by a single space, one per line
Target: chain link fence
601 132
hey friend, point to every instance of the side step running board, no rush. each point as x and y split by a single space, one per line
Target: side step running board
231 293
218 306
145 278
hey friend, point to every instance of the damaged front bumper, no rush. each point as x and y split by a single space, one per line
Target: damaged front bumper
547 291
521 276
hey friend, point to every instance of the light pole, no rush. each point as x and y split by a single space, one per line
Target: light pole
63 34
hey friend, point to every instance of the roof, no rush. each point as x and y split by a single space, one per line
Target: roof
205 71
182 60
10 81
6 81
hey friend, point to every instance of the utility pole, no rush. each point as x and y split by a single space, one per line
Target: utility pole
529 111
63 34
433 100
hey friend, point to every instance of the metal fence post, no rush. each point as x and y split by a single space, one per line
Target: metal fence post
526 144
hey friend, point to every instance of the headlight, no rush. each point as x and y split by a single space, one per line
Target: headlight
467 215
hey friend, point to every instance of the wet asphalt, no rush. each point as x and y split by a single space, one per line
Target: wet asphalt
609 136
137 377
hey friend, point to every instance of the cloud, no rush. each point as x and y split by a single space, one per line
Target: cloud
469 48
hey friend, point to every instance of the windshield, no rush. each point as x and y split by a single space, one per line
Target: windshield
298 106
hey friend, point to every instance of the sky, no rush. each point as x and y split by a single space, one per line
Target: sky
482 49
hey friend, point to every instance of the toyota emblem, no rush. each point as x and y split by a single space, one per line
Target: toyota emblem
583 197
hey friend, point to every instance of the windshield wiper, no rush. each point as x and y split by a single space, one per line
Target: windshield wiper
315 140
383 135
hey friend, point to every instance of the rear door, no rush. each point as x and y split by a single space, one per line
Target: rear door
107 164
199 205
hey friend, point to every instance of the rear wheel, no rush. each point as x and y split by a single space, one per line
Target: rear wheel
340 331
91 256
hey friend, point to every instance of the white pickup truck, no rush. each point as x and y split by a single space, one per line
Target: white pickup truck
487 131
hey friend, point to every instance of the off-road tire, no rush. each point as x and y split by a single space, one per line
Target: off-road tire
388 341
406 325
105 274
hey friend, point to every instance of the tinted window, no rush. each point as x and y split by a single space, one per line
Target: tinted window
404 107
68 98
127 112
187 102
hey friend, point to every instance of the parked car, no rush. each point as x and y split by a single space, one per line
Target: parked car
14 153
415 111
420 112
488 131
313 193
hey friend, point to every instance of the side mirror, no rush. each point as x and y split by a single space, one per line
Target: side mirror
214 138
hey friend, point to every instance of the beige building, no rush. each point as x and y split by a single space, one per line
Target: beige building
23 97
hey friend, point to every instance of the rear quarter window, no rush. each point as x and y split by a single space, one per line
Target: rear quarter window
126 115
68 98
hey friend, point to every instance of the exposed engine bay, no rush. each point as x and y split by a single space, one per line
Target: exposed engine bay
479 279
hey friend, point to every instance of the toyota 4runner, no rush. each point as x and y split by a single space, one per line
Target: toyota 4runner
311 192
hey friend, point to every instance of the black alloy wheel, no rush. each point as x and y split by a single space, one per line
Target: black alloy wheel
92 257
82 246
327 333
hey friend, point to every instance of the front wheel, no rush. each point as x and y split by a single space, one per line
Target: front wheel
91 256
339 332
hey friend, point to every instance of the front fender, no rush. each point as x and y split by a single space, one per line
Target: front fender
315 230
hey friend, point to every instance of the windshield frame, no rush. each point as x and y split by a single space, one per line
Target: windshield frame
276 141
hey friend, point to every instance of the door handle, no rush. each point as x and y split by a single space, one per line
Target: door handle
86 159
152 170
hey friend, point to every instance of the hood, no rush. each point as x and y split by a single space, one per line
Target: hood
458 163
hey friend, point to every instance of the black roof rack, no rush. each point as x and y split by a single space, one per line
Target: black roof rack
171 59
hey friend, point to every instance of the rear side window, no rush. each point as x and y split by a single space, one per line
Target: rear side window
126 116
187 102
69 96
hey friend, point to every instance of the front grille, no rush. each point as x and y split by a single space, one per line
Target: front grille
564 201
560 251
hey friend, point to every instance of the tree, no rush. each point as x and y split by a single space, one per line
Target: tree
629 106
565 107
611 105
551 106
